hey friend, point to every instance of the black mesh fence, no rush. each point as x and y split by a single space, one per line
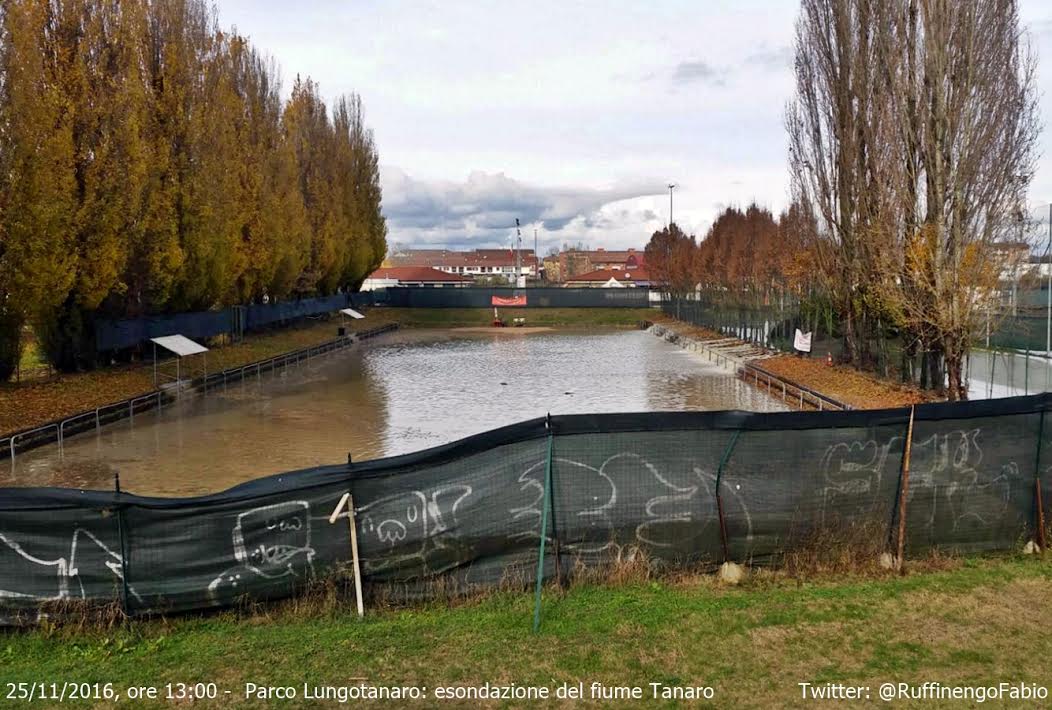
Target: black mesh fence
119 334
770 325
259 316
467 515
1021 332
128 333
424 297
773 324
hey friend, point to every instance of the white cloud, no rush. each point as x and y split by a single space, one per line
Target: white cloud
580 95
481 210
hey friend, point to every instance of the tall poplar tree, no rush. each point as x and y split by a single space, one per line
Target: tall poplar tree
37 194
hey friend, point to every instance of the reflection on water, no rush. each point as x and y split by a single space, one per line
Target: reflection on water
404 392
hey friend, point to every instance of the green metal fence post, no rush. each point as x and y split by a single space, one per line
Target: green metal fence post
1026 373
1039 506
546 506
123 543
993 364
719 497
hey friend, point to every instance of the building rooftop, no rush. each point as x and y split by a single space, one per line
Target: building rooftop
447 257
604 275
416 273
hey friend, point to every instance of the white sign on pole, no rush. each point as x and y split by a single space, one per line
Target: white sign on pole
802 341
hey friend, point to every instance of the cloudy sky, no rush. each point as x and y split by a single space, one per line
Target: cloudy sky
571 116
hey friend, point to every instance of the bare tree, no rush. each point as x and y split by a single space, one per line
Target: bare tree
912 137
836 125
969 100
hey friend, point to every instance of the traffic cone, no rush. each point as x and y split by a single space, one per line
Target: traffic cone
829 359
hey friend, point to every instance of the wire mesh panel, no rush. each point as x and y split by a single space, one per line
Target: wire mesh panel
781 487
57 547
649 491
474 517
222 553
971 485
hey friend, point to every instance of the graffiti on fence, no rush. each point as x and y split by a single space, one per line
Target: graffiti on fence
678 507
269 543
415 526
949 484
68 577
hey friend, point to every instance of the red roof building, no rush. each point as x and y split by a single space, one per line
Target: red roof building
480 262
611 278
388 276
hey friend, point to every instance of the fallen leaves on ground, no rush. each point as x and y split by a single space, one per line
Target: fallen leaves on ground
858 389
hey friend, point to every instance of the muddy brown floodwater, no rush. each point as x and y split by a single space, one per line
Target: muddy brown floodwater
402 392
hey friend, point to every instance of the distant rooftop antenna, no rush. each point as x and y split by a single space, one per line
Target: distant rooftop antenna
536 257
518 253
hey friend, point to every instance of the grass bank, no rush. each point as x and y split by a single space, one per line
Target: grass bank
550 317
979 622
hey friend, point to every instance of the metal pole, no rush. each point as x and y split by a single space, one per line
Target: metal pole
544 528
123 541
1048 323
993 364
1040 518
351 523
518 253
719 498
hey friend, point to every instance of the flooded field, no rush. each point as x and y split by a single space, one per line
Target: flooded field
403 392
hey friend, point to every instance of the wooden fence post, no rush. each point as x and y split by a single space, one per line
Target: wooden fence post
347 501
904 486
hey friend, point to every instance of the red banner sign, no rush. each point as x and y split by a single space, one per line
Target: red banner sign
512 301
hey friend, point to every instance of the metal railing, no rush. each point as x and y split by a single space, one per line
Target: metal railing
56 431
791 392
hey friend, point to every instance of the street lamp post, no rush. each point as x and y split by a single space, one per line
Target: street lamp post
671 187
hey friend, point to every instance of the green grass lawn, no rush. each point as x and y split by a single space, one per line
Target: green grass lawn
983 621
466 317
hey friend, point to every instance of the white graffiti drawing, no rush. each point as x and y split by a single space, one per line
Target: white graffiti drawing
597 502
946 470
271 542
598 488
416 525
88 555
851 475
531 510
947 485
